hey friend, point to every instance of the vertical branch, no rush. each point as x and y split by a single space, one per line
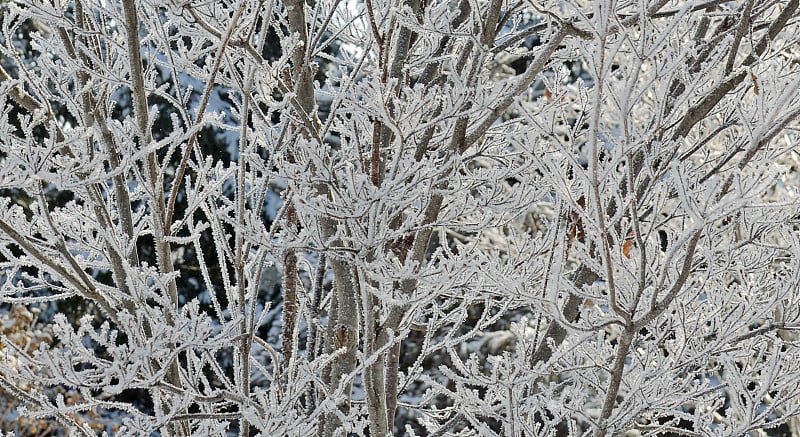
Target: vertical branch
623 347
375 159
289 294
311 338
380 376
375 373
594 157
490 22
136 70
304 88
343 335
392 372
303 74
163 252
245 325
402 43
344 318
139 96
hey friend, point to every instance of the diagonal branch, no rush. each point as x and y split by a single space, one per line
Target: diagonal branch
523 82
